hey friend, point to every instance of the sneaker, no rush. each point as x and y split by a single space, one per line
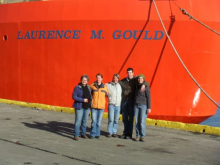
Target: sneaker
136 139
109 135
128 136
142 139
123 136
97 137
76 138
84 136
91 137
114 135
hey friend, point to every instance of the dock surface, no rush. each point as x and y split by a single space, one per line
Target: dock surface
39 137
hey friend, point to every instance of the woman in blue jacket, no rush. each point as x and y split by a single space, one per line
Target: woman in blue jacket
82 103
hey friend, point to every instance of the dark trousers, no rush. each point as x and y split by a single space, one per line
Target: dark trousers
127 108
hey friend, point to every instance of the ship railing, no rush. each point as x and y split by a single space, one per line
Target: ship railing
17 1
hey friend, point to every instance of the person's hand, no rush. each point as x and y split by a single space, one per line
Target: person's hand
86 100
142 88
148 110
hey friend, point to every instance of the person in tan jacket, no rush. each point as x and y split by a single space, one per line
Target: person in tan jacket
99 92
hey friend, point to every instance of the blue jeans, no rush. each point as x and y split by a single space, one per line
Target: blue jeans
127 107
113 117
96 121
81 117
140 111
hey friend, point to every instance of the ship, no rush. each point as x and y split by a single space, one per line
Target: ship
45 47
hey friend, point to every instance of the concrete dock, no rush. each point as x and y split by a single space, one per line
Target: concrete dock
32 136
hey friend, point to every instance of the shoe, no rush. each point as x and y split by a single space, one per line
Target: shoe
97 137
137 139
109 135
114 135
127 137
91 137
123 136
84 136
142 139
76 138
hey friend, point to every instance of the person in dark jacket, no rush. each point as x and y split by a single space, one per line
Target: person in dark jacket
82 104
127 104
142 106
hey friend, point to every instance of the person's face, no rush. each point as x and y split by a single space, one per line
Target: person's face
140 80
115 79
84 81
99 79
130 74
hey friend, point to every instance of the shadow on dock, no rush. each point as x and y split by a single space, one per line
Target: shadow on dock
60 128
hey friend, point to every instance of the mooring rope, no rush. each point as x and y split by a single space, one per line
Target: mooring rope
181 59
191 17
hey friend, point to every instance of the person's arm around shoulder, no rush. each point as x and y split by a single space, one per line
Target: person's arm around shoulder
148 99
145 84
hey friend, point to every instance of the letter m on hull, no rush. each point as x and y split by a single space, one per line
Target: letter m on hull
96 35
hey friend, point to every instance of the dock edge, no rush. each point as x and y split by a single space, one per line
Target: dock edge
160 123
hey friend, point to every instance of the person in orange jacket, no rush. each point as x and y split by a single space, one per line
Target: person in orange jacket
99 92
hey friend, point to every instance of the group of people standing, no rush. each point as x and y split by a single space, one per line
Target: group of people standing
130 96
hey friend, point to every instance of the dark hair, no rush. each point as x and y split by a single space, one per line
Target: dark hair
130 69
116 75
99 74
85 76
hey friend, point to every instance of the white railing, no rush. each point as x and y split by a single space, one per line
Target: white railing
16 1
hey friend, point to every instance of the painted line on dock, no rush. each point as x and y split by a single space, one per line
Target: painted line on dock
160 123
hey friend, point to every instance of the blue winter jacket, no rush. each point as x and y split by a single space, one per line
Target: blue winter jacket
78 96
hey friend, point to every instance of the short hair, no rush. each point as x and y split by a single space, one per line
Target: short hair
99 74
84 76
130 69
116 75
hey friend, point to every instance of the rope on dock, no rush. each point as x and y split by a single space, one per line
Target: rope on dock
177 54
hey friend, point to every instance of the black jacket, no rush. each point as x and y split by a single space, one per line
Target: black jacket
128 87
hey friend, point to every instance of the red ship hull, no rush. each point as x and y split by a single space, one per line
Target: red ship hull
47 46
